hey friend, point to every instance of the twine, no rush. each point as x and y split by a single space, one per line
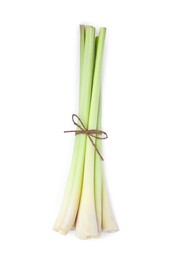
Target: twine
90 133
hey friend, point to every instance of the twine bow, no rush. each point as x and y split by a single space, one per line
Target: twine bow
90 133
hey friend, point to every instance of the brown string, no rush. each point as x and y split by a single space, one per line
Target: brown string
90 133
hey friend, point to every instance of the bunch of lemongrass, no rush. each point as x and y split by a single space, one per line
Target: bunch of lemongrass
86 206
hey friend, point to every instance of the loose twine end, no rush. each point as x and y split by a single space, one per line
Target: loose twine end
90 133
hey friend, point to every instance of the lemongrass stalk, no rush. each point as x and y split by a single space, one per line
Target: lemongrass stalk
98 175
85 96
71 175
104 212
68 211
98 169
86 225
82 47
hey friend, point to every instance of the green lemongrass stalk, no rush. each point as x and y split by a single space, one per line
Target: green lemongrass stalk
105 217
71 175
82 45
98 169
68 211
104 213
86 225
98 174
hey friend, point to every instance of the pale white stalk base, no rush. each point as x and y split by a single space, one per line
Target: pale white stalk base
109 223
86 237
63 232
68 212
68 188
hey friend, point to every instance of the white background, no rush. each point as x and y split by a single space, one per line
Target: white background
39 66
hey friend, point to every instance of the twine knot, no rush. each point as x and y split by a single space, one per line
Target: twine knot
90 133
